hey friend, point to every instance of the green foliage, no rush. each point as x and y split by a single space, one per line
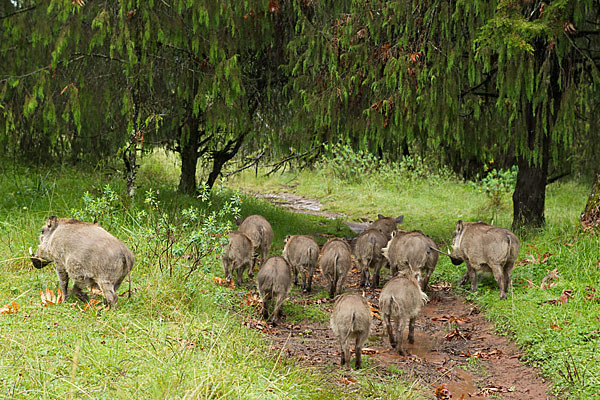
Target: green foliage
347 164
497 184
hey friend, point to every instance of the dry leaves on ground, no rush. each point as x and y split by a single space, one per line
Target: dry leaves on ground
11 308
458 334
348 381
50 298
224 282
93 304
563 298
261 326
442 393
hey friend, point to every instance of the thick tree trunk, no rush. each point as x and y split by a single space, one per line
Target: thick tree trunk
529 197
590 218
188 148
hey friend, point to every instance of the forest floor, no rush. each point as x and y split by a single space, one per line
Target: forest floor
456 351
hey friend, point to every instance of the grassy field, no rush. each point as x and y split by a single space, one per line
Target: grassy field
180 335
563 339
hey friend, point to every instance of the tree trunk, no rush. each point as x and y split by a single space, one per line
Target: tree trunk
590 218
529 197
188 149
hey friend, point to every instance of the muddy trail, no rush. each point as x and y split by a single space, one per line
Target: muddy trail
456 354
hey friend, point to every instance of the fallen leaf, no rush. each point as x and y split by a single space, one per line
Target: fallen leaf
348 381
93 304
224 282
550 279
442 393
563 298
251 299
11 308
49 298
555 327
456 334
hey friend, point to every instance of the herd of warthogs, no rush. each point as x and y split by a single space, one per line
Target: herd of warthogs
411 257
95 259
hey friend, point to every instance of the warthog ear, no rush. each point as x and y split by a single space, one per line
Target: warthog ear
238 221
399 219
52 221
380 216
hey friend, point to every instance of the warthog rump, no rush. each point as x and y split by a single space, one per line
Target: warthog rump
351 320
85 253
485 247
412 250
261 233
400 301
302 252
335 261
237 255
274 282
368 253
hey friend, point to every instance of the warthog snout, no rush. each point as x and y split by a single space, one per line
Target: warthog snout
37 261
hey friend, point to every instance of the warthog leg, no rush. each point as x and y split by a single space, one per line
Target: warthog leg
277 309
63 280
411 330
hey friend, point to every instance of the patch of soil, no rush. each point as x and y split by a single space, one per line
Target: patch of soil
449 331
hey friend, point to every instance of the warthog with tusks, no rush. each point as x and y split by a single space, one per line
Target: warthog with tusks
335 261
412 250
351 320
485 248
261 233
274 282
386 225
368 253
85 253
237 255
400 302
302 253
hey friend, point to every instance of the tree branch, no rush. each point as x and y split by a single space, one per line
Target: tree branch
18 12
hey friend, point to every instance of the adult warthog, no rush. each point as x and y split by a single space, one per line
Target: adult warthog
85 253
485 248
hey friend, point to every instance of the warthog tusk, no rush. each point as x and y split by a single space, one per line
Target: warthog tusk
441 252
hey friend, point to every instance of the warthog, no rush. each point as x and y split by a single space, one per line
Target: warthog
368 253
261 233
335 261
302 252
486 248
237 255
351 320
274 281
400 301
386 225
86 253
412 250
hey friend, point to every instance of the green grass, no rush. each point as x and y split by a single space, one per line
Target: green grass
175 338
563 340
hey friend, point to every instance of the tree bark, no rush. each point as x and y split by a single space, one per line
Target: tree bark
188 149
590 218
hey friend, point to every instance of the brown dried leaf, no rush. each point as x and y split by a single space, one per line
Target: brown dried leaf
442 393
456 334
563 298
49 298
555 327
347 381
450 319
11 308
224 282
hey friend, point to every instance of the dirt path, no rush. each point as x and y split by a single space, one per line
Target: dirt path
455 352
